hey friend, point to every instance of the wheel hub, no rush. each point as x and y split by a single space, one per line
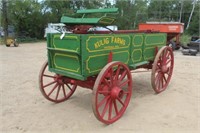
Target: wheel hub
164 69
59 79
116 92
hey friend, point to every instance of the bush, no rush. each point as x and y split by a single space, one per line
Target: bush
185 39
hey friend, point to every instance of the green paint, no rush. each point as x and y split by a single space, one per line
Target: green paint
104 20
80 56
150 42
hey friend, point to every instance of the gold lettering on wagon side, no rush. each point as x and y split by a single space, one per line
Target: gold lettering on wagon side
102 42
117 41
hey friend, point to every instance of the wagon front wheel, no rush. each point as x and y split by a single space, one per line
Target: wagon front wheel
53 86
162 69
112 92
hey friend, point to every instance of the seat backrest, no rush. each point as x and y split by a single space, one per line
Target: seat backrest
104 19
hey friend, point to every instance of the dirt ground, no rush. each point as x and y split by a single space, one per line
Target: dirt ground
24 109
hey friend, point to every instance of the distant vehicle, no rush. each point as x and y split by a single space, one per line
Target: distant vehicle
1 32
194 43
11 31
194 38
193 47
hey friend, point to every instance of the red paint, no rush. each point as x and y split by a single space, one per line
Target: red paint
173 30
166 27
110 57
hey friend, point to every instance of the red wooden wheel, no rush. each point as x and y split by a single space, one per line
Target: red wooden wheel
53 86
162 69
112 92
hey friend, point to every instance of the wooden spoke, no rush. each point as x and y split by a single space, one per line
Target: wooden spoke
123 75
115 106
53 82
58 90
105 108
64 92
103 101
124 83
52 89
120 101
110 110
49 76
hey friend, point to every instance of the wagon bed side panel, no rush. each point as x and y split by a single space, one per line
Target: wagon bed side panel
64 55
136 48
96 49
151 41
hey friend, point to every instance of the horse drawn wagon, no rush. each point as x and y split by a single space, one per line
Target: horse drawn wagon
102 61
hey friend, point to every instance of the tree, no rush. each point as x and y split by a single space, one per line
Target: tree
26 16
164 10
194 28
180 16
194 3
131 13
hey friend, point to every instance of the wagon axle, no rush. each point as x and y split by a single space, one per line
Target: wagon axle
59 79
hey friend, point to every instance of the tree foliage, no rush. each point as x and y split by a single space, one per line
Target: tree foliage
31 16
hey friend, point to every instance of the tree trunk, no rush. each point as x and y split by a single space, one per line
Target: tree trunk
180 17
5 19
194 3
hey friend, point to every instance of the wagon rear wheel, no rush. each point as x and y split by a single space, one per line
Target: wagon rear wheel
53 86
112 92
162 69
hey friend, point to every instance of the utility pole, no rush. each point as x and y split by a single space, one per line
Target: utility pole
5 19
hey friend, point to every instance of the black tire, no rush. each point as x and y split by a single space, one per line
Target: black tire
177 47
193 52
186 52
185 47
